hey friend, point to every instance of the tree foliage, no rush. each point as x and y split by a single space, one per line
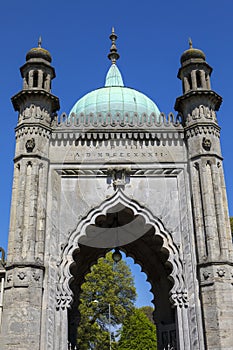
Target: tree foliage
231 222
148 311
107 285
137 333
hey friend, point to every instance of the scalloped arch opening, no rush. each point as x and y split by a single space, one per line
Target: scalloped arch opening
117 227
147 252
153 249
164 248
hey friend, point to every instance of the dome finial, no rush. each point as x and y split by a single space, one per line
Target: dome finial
113 54
39 41
190 43
192 54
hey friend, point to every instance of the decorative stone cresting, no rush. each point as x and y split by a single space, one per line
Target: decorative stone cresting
201 112
109 120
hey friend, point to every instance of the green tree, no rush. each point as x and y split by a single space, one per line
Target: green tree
231 222
137 333
108 285
148 311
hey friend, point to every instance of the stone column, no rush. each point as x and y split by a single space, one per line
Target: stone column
22 308
186 85
194 80
203 80
217 300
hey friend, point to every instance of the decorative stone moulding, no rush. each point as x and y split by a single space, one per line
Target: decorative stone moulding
30 145
108 127
97 135
70 172
32 130
221 272
217 272
32 111
118 177
118 120
22 98
206 144
203 130
24 277
201 113
213 98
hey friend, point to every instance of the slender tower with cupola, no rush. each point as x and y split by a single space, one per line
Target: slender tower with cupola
36 108
198 106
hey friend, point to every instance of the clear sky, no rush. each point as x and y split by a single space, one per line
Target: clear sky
151 38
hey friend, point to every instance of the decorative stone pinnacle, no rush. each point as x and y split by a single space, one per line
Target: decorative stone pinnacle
190 43
40 42
113 54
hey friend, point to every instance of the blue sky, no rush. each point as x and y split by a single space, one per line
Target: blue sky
151 38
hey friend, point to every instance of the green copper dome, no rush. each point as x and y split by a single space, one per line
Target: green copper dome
122 103
115 98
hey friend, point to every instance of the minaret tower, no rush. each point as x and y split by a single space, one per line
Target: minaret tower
198 106
25 263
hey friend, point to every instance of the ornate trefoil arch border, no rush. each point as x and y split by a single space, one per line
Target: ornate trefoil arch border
178 293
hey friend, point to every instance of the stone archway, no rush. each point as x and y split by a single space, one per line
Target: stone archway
122 222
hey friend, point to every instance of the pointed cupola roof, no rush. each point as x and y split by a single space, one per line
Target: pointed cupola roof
113 77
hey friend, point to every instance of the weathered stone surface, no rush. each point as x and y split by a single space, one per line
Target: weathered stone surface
153 187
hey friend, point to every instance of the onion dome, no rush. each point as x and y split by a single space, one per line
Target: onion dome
39 52
192 53
114 97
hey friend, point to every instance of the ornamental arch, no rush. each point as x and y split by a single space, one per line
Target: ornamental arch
141 236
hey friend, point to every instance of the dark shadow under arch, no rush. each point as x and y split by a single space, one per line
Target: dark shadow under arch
148 252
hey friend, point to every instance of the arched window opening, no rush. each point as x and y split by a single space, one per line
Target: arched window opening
27 78
198 75
189 81
44 81
35 79
207 79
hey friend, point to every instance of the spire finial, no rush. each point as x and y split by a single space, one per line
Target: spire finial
190 43
113 54
40 41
